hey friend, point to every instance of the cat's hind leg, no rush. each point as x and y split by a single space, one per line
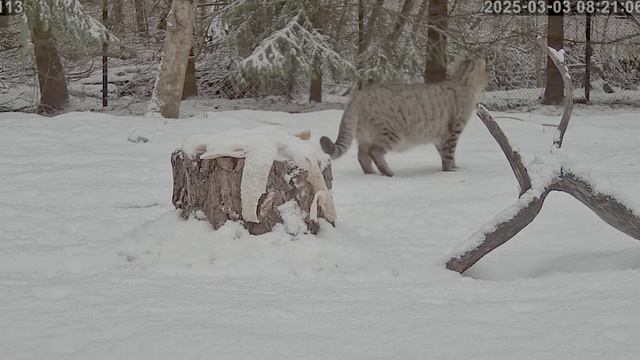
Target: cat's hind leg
447 157
447 150
447 146
364 158
377 153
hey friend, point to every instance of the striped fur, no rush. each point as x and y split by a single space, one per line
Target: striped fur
398 117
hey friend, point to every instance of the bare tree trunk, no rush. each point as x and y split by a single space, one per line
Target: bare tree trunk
141 17
162 23
555 38
292 71
51 78
345 16
401 20
435 69
167 92
418 19
315 86
587 61
190 85
365 34
539 70
116 16
371 22
361 47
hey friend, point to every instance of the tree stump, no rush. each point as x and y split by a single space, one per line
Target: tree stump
212 187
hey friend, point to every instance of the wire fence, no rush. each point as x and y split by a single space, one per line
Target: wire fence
602 53
604 65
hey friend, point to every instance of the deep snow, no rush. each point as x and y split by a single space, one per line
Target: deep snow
96 264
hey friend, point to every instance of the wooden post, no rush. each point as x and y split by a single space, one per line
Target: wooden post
105 49
587 72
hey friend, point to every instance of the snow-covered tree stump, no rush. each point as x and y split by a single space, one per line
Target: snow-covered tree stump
260 178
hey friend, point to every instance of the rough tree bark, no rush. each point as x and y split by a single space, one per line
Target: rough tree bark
141 17
190 81
51 78
372 21
401 20
315 85
435 69
115 20
167 92
164 12
212 186
555 39
365 35
606 206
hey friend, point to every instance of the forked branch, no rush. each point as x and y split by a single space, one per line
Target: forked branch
610 209
606 206
519 170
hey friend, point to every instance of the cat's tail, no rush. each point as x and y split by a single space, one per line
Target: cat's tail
345 136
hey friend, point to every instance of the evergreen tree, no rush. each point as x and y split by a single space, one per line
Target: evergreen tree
47 21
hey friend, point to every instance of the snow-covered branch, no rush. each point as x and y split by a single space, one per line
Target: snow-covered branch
298 38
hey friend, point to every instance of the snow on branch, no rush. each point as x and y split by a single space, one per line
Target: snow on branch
72 16
298 38
552 172
514 158
557 56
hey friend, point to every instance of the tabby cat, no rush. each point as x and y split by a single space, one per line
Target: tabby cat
397 117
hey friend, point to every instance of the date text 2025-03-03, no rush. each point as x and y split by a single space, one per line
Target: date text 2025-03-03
561 7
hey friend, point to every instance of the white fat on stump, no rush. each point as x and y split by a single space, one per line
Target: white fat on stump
260 147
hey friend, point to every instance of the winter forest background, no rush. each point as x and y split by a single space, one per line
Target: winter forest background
98 261
301 50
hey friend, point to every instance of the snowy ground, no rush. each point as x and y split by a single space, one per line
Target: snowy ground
95 264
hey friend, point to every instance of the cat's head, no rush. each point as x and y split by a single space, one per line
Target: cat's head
471 72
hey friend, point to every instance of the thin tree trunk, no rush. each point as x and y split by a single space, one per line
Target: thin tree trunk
54 94
105 59
587 60
162 23
401 20
116 16
141 17
315 86
4 22
365 34
338 33
436 65
553 91
371 22
361 30
170 83
190 85
418 19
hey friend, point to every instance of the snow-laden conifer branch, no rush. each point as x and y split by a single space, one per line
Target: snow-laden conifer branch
71 16
299 38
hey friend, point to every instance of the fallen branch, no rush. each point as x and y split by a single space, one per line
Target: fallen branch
568 90
561 178
519 170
